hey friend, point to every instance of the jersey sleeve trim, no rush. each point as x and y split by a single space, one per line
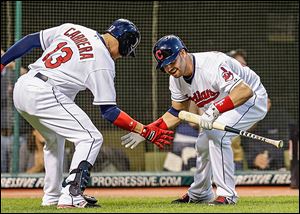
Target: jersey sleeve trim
179 100
104 103
42 40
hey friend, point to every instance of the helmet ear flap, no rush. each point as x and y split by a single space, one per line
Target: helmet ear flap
128 42
123 46
127 35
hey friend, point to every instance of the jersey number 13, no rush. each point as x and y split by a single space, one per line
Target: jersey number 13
66 54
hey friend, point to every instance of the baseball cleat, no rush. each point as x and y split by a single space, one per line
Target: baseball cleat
221 200
90 199
83 204
184 199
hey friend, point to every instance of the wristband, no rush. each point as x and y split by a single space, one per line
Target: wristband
2 67
173 111
224 104
124 121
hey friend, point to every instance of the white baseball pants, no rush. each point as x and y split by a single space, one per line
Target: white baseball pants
57 118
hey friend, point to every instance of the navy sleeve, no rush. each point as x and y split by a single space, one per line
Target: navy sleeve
21 47
110 112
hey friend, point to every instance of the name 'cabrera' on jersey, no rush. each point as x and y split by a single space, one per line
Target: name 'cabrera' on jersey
215 75
75 58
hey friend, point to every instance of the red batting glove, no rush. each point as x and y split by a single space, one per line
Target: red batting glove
2 67
157 136
160 123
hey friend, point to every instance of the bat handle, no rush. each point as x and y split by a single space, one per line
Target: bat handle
195 118
219 126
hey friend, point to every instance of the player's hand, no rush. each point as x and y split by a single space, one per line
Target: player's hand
158 124
157 136
208 117
132 140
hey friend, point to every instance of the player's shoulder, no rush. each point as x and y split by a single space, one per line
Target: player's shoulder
210 54
75 26
62 27
67 25
209 61
210 57
104 61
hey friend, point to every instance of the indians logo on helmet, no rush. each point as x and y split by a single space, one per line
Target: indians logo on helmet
159 55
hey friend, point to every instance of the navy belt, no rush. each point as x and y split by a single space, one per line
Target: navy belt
41 76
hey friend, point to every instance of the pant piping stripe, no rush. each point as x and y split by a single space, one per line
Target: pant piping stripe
77 122
225 135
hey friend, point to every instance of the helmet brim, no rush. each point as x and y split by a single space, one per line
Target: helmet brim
167 61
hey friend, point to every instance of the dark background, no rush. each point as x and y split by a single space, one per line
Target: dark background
267 30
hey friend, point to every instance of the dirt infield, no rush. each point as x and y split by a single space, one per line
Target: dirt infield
152 192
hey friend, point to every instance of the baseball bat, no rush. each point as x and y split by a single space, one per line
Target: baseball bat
194 118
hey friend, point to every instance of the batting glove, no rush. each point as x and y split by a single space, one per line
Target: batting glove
132 140
160 123
208 117
157 136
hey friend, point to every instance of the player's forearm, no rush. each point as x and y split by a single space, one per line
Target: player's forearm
170 120
156 135
240 94
171 116
124 121
20 48
120 119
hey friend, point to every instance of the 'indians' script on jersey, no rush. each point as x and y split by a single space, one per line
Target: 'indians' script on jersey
204 97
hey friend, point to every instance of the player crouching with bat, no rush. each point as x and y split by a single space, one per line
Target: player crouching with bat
228 93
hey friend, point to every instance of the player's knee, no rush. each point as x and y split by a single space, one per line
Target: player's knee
201 143
201 147
98 139
50 146
95 138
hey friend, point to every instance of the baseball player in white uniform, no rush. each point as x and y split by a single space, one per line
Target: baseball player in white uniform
227 92
75 58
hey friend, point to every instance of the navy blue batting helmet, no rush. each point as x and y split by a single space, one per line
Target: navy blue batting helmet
127 34
166 49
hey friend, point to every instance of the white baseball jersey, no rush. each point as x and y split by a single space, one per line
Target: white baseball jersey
215 75
75 59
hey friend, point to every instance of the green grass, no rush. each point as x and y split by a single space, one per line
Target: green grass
278 204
